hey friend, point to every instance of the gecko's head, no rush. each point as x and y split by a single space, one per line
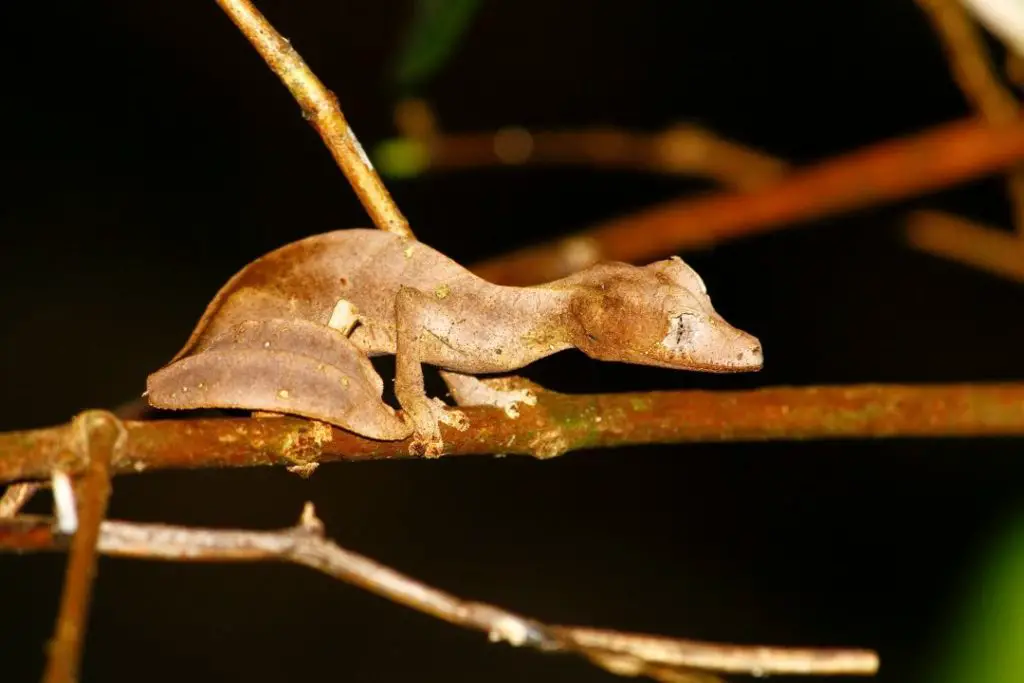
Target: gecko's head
657 315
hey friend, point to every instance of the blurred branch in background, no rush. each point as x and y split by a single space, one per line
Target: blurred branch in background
680 150
661 658
887 171
958 239
961 240
557 424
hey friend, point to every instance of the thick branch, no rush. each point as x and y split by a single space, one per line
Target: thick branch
560 423
320 107
887 171
622 653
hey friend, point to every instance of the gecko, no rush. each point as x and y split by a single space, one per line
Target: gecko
293 333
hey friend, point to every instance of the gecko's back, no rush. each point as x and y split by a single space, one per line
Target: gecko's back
306 279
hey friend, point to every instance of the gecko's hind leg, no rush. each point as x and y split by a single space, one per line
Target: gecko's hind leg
501 392
293 367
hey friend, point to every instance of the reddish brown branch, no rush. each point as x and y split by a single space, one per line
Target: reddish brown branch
320 107
560 423
891 170
662 658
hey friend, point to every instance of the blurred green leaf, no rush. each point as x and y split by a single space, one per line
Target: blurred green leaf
987 643
434 34
400 158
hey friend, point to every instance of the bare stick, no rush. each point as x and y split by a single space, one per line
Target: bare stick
16 496
559 423
622 653
680 150
973 71
997 251
99 436
886 171
320 107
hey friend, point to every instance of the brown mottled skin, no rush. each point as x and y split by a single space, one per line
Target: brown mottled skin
266 342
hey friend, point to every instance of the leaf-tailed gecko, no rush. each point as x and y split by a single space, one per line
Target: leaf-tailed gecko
292 333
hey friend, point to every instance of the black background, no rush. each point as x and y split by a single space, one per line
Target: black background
148 154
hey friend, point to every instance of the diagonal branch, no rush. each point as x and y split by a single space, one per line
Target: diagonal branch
320 107
663 658
882 172
558 423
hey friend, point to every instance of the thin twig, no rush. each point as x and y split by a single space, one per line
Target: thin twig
559 423
680 150
941 234
974 73
99 436
623 653
320 107
16 496
886 171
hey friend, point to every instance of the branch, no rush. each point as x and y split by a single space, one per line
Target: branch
887 171
958 239
320 107
16 496
99 436
973 72
631 654
680 150
558 423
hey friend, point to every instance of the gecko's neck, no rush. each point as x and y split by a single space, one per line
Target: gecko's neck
535 325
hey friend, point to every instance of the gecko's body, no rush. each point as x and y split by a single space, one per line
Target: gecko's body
293 330
367 268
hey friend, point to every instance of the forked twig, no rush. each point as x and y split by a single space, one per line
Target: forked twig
320 107
662 658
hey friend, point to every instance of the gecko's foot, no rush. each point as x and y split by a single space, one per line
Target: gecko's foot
506 393
426 417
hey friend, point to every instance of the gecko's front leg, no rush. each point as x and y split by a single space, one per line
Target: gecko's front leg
412 311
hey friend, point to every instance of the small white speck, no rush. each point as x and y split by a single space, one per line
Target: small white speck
266 345
64 502
283 393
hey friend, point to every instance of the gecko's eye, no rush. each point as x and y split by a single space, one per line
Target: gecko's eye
681 329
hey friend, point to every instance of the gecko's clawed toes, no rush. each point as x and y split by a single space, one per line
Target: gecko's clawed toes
426 417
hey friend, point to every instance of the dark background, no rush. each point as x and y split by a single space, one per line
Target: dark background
148 153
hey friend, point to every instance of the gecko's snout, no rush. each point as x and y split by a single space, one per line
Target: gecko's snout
751 356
